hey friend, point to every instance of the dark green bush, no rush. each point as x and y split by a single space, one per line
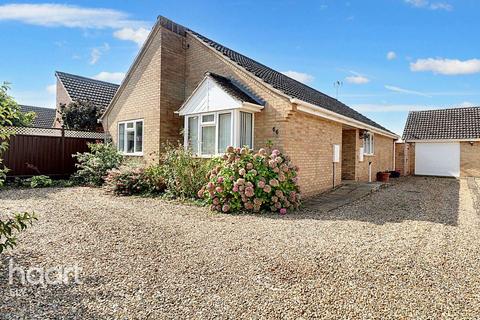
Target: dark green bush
184 173
93 166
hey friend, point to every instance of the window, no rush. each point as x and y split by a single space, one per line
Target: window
193 134
368 143
210 134
224 131
130 137
207 134
246 126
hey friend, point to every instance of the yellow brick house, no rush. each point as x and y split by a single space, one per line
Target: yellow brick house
185 87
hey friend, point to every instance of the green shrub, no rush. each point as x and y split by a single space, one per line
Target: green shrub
252 182
39 182
8 228
92 167
184 174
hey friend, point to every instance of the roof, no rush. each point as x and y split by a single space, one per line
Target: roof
232 89
98 92
443 124
287 85
45 116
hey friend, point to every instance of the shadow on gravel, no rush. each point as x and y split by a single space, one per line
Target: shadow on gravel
412 199
48 301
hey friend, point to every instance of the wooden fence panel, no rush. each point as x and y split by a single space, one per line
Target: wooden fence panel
29 155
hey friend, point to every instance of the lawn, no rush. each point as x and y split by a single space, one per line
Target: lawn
410 250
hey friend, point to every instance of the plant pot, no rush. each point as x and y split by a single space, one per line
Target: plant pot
383 176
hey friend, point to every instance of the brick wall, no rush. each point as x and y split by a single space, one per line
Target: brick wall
309 141
62 97
382 160
349 154
402 159
140 99
470 159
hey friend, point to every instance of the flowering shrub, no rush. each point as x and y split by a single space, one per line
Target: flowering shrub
92 167
134 178
127 179
252 182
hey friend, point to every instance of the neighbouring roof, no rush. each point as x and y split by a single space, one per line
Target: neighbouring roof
232 89
98 92
287 85
443 124
45 116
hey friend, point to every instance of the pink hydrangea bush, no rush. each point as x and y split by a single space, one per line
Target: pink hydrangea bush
247 181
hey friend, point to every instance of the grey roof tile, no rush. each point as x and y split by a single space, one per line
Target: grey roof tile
98 92
443 124
285 84
45 116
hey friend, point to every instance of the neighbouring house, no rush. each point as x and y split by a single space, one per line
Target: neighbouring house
185 87
444 142
45 117
71 88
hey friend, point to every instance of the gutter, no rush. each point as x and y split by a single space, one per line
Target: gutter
330 115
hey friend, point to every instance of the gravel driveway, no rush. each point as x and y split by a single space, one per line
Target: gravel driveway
408 251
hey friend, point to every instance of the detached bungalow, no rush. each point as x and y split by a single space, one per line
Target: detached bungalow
185 87
443 142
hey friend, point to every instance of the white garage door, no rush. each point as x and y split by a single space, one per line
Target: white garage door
437 159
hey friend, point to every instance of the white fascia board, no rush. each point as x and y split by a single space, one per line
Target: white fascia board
251 107
330 115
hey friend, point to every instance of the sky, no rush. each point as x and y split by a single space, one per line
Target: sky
388 57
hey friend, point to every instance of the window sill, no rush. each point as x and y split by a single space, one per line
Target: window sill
369 155
132 154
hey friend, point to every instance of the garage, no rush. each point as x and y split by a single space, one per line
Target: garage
443 142
437 159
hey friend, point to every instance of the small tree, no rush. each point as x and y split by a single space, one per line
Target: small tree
10 115
80 115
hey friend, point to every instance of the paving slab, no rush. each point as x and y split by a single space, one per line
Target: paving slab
346 193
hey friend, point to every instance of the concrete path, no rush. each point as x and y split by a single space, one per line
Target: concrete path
348 192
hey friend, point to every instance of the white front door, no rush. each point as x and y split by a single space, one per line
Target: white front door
437 159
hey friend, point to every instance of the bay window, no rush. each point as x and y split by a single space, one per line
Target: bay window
130 137
211 133
368 143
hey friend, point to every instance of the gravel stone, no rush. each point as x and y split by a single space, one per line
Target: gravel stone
407 251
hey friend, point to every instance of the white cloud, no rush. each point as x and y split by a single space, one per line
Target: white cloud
299 76
430 5
391 55
52 88
357 79
446 66
406 91
136 35
115 77
96 53
61 15
70 16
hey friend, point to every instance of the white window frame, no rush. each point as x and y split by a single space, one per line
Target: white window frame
134 129
234 130
371 143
